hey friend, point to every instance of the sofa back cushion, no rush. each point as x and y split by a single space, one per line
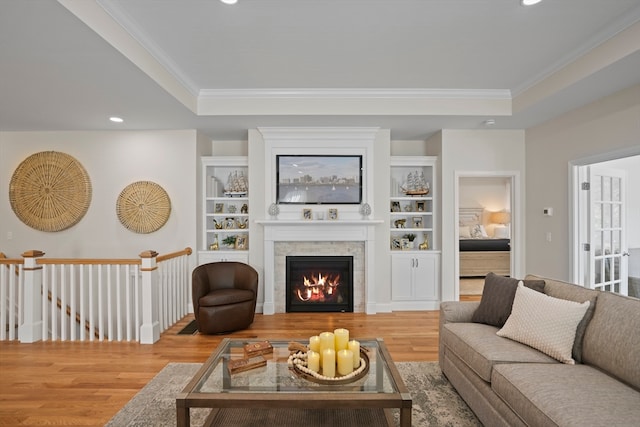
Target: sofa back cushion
572 292
612 339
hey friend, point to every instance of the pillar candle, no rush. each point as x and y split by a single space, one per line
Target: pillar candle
354 346
329 362
342 338
327 340
313 360
345 362
314 343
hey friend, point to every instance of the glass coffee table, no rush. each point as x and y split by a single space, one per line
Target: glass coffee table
275 387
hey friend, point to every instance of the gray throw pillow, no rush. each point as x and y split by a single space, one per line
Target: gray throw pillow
497 298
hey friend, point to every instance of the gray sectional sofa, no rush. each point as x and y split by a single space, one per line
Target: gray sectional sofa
507 383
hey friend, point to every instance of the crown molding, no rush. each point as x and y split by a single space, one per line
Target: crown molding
355 93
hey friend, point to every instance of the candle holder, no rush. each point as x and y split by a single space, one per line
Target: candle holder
298 364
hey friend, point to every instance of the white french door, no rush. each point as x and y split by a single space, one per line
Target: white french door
606 244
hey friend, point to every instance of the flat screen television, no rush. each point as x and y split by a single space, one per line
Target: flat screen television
319 179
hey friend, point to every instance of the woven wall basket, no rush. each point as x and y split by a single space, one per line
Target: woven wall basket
50 191
143 207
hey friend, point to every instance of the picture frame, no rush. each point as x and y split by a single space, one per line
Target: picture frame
317 179
333 214
395 206
395 244
420 206
241 242
307 214
219 208
405 244
417 222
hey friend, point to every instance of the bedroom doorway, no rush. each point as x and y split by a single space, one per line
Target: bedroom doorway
485 239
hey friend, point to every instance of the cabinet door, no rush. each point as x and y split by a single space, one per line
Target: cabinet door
402 277
425 276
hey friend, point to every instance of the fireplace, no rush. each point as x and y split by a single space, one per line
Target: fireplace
319 284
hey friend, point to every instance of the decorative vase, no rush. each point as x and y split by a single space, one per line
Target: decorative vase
274 210
365 210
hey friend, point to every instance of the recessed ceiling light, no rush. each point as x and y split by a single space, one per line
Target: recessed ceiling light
530 2
116 119
229 1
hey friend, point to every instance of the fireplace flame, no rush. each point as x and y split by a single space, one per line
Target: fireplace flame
318 289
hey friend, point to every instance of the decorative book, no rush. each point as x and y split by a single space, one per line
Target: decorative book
241 365
257 348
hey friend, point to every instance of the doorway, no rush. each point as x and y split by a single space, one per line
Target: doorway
490 199
606 230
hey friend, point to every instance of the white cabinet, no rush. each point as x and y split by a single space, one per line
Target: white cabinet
225 216
415 260
415 280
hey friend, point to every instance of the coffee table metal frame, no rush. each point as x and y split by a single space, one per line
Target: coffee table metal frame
393 394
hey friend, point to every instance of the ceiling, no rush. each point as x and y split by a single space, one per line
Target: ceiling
412 66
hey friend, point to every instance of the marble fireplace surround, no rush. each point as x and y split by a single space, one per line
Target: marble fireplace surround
304 237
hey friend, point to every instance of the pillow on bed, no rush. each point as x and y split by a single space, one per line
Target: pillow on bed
476 231
497 298
464 231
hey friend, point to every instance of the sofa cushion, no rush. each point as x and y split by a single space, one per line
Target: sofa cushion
497 298
572 292
565 395
225 297
612 339
545 323
480 348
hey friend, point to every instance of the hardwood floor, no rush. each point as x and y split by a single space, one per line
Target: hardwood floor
85 384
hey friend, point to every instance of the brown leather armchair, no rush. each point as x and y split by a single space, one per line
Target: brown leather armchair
224 296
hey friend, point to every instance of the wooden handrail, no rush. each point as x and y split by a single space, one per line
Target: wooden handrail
185 251
88 261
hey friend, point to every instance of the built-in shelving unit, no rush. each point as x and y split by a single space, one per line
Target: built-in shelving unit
225 209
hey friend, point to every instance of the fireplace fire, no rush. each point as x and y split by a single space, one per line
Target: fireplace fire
319 283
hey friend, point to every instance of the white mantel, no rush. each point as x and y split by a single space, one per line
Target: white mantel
314 231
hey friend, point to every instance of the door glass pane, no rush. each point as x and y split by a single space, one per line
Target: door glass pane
607 270
596 243
615 241
606 242
606 215
615 189
606 188
615 216
597 216
598 271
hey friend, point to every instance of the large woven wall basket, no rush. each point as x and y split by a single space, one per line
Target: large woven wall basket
50 191
143 207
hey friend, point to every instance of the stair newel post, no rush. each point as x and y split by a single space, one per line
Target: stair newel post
150 328
30 329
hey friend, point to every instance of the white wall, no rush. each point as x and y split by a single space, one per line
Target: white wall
113 160
609 125
475 152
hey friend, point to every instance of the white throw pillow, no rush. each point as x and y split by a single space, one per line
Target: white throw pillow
545 323
465 232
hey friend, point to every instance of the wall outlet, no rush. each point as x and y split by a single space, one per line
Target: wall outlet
548 236
9 235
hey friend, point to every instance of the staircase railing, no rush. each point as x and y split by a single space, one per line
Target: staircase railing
72 299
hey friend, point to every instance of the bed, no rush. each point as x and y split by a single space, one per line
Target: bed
479 253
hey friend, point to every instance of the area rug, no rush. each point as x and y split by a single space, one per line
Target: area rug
435 402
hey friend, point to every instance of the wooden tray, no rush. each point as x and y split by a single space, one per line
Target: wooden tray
338 380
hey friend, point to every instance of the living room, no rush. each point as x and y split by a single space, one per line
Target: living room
599 128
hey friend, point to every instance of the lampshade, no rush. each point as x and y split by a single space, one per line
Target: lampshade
501 217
